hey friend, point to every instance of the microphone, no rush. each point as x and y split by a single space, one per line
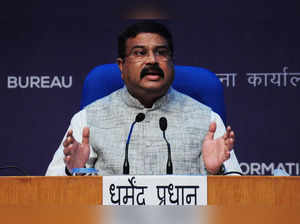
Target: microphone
163 126
140 117
16 168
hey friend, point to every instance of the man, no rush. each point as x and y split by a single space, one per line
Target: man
97 134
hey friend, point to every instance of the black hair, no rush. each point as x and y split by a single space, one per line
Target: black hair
143 27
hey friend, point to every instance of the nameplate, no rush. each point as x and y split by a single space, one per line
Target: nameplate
154 190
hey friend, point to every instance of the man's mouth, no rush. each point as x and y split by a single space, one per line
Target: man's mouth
153 76
153 73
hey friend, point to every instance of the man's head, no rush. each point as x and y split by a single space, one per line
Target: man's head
145 60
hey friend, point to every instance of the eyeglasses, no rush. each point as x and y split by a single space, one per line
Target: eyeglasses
140 54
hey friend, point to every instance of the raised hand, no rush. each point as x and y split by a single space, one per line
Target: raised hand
216 151
76 154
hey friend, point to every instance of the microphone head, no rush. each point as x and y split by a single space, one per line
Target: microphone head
140 117
163 123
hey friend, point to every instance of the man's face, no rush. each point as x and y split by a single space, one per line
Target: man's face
148 67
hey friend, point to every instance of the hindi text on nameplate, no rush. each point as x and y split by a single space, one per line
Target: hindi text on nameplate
154 190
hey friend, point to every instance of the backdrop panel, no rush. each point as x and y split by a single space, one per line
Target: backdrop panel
48 48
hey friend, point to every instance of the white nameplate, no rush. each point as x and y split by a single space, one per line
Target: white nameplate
154 190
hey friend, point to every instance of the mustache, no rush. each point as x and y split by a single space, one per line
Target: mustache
152 69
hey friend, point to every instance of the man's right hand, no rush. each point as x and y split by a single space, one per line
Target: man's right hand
76 154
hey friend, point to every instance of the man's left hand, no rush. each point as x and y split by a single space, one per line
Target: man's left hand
216 151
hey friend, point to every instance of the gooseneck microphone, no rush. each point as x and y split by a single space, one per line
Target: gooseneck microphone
140 117
163 126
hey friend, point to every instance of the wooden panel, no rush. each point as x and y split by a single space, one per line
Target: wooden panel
50 190
231 190
254 190
51 215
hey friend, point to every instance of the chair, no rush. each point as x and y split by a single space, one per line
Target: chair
198 83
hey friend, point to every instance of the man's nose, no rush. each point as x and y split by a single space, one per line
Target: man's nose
151 58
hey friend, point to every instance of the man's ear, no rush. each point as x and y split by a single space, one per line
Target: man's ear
120 62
